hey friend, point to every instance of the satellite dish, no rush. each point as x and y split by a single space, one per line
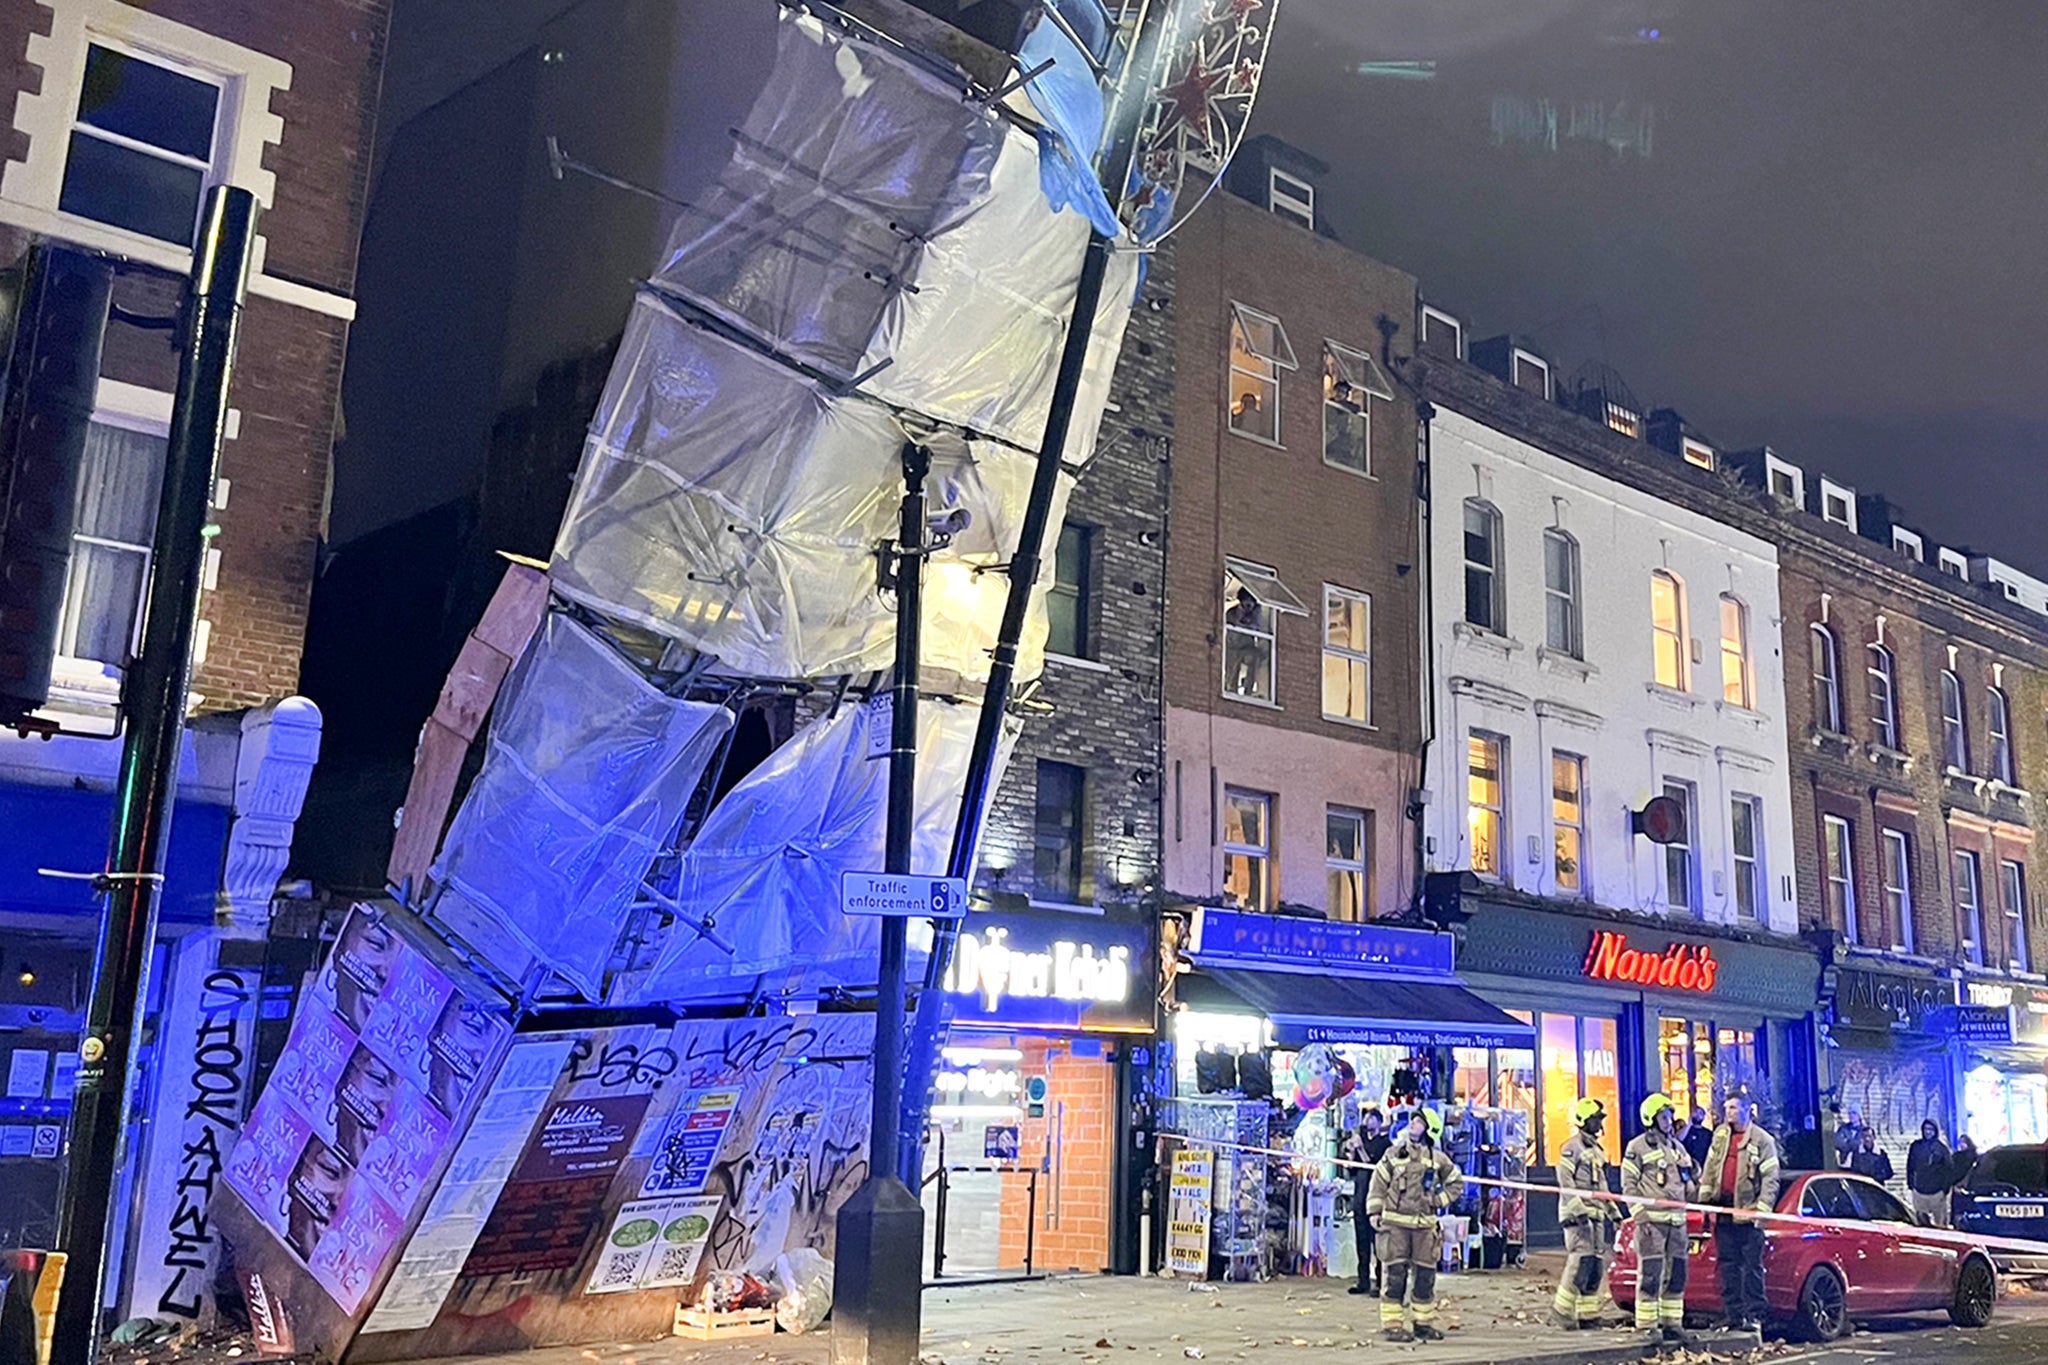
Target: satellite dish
1662 819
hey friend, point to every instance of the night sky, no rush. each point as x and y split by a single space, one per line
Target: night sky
1830 237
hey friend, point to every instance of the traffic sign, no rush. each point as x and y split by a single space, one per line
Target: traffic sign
902 893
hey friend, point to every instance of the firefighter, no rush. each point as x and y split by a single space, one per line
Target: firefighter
1411 1187
1656 1166
1582 1171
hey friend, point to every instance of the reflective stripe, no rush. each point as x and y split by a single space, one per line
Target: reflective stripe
1408 1220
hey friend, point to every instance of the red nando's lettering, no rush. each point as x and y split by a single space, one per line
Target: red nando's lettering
1682 966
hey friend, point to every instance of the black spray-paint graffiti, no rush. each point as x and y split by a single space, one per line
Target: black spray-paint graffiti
213 1113
620 1064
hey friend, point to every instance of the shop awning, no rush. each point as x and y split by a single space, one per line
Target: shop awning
1356 1009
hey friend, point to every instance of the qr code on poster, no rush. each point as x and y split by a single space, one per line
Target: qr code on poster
677 1260
615 1272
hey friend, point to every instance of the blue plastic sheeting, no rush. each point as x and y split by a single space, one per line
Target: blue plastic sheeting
69 830
1069 100
585 777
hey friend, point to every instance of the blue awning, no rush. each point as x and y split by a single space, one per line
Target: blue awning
1308 1008
68 829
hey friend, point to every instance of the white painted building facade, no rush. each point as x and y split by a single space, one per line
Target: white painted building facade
1594 646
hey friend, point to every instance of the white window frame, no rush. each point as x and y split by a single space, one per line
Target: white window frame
1773 466
1260 853
1346 655
1575 824
1431 314
1349 365
1291 197
1698 454
1495 811
1909 544
1282 358
1969 879
1274 601
1335 866
1517 357
1895 870
1838 872
1822 646
1999 734
1570 594
1955 722
1830 489
1739 654
131 408
1679 635
1949 562
2012 895
1496 570
1684 859
1748 869
1624 421
1883 689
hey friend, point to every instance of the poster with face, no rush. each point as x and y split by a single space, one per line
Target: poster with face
345 1138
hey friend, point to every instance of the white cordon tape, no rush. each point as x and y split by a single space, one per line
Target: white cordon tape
1944 1235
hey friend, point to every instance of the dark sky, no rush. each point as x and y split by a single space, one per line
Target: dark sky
1834 244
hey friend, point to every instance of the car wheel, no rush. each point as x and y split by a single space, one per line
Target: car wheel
1976 1292
1823 1312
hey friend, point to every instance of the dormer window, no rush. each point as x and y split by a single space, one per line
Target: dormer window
1698 454
1442 335
1291 197
1952 563
1837 503
1530 373
1786 481
1621 419
1909 544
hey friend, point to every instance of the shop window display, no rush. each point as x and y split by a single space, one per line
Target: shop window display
2001 1109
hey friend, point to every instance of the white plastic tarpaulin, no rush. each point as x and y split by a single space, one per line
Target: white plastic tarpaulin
733 505
764 868
585 776
873 222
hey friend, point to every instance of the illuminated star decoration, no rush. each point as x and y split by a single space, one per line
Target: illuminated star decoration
1198 117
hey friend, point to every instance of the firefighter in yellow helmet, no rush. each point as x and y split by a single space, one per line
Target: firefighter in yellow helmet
1656 1167
1587 1217
1411 1187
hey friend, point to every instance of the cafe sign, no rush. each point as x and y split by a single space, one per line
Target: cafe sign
1053 969
1681 966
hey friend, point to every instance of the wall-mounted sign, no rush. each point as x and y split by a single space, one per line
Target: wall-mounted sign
1053 969
2026 1006
1681 966
1886 1001
1989 1025
1234 937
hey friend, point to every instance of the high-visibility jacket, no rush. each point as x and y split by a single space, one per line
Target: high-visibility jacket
1412 1185
1756 1169
1656 1167
1582 1166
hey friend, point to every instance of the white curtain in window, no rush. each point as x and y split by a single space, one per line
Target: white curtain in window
117 500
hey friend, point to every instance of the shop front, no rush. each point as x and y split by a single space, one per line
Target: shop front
2000 1031
1624 1007
1887 1052
1030 1156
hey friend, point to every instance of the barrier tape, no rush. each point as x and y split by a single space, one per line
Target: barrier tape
1948 1236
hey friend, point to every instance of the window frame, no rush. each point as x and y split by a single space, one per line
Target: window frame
1571 595
2012 896
1360 867
1430 314
1970 909
1580 889
1898 899
1517 358
1686 793
1827 685
1623 421
146 412
1081 593
1909 544
1495 570
1074 888
1299 209
1272 605
1847 495
1838 872
1955 723
1998 732
1348 655
1696 453
1496 810
1773 467
1260 854
1679 634
1745 679
1282 358
1369 381
1748 871
217 143
1881 671
1951 563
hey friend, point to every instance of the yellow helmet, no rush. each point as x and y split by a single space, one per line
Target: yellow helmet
1585 1109
1434 1122
1654 1106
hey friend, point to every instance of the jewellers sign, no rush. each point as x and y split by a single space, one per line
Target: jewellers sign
1054 969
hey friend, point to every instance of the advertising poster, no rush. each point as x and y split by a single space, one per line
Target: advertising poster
690 1142
1187 1212
654 1243
379 1064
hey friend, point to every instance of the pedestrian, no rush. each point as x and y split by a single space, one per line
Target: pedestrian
1411 1187
1868 1160
1582 1172
1741 1174
1928 1163
1697 1137
1365 1147
1848 1137
1656 1169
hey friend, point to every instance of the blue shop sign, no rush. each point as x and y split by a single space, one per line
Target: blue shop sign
1053 969
1986 1025
1235 937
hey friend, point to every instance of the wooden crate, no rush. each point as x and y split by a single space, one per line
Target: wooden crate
702 1324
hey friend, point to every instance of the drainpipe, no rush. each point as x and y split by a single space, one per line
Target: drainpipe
1425 413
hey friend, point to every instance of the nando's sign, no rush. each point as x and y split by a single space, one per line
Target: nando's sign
1681 966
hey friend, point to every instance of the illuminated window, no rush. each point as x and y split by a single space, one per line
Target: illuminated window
1558 1037
1735 679
1838 854
1253 601
1483 599
2000 731
1970 906
1258 352
1347 655
1346 856
1884 699
1600 1077
1827 679
1623 420
1697 453
1561 594
2012 880
1667 628
1955 731
1351 380
1568 822
1486 815
1745 833
1248 848
1898 888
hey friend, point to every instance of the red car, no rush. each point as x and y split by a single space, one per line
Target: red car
1873 1261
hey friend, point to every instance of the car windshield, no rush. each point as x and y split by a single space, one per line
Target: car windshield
2018 1168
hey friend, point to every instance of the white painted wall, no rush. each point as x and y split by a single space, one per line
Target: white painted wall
1632 733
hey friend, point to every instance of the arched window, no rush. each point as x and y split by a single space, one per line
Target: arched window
1827 680
1561 594
1484 606
1667 630
1955 735
2001 737
1735 674
1884 699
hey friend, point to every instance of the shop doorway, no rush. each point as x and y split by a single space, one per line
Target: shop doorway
1703 1063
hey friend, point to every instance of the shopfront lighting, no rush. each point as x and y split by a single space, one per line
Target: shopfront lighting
974 1056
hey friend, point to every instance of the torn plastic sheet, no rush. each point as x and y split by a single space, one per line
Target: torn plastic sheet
873 224
732 505
763 871
585 776
1069 99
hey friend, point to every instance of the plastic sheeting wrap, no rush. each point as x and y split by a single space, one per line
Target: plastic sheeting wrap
764 867
730 504
584 777
870 214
